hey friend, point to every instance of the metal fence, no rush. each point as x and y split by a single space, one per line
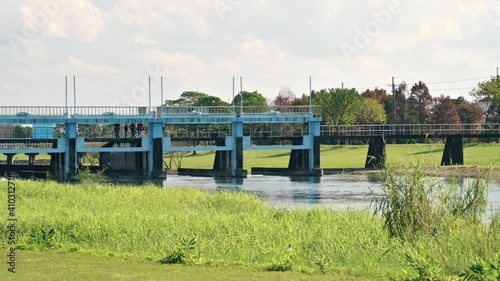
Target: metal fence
410 129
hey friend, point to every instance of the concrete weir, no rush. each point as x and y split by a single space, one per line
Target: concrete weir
143 154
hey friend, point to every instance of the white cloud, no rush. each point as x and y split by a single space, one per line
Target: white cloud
444 28
92 68
270 43
143 40
255 47
329 9
80 20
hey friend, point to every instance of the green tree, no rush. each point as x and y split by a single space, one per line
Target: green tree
338 105
194 98
370 111
21 132
487 94
250 99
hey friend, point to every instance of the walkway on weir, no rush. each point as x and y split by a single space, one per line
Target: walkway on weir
146 153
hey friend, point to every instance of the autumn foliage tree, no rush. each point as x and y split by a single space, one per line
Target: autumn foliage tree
470 113
419 103
285 97
377 94
444 111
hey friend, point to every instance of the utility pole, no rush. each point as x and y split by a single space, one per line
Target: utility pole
498 76
393 102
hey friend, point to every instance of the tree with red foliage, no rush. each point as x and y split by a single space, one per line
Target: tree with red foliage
419 103
471 113
378 94
444 111
284 98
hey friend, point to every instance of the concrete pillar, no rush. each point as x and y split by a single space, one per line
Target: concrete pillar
237 151
70 155
222 161
314 146
376 153
10 158
155 152
31 158
453 153
299 158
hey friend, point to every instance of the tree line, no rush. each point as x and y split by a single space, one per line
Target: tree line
408 105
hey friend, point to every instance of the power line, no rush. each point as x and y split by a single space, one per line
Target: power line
452 89
455 81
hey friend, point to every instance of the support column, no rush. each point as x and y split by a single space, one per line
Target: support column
314 148
155 152
10 158
222 161
31 158
237 151
453 151
57 160
376 153
299 158
70 157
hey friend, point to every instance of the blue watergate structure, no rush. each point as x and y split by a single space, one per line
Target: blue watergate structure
148 150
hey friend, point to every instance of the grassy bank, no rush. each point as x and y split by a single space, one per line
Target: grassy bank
223 229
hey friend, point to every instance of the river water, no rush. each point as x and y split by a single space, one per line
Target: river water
332 191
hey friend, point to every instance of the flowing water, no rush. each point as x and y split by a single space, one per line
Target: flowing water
333 191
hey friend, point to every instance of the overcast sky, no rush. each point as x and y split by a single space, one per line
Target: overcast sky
112 46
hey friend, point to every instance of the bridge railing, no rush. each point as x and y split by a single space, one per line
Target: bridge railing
279 110
32 111
409 129
61 111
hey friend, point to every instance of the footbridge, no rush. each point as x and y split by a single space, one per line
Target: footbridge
379 135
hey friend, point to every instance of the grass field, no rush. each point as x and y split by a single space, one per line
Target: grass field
214 233
355 156
49 266
345 156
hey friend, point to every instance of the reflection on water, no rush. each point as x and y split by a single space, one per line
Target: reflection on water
339 191
333 191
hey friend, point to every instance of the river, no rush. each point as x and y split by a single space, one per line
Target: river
333 191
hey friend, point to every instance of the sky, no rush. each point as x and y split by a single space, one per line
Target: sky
113 46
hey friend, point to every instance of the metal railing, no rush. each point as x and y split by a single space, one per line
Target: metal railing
410 129
25 145
61 111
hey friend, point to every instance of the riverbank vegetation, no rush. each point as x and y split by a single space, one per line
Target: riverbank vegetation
422 232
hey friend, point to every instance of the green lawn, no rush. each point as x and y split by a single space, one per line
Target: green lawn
355 156
70 232
345 156
40 266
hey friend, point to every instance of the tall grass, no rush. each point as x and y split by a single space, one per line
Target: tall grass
226 228
443 224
